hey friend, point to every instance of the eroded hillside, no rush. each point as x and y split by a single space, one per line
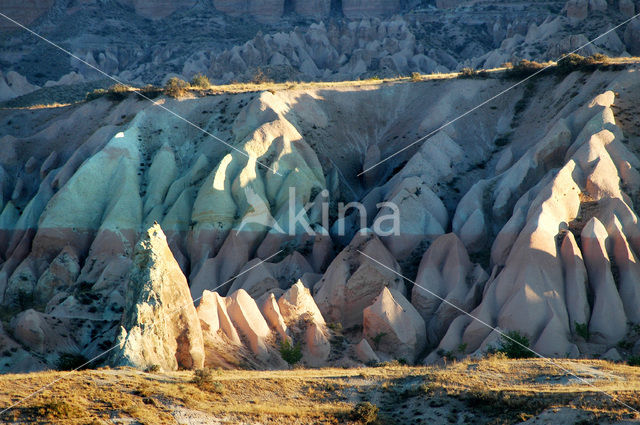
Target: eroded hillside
521 213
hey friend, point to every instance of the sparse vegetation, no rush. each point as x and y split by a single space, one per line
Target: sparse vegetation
575 62
515 346
176 87
524 69
200 81
154 368
203 378
468 73
582 330
365 412
71 361
290 353
117 92
377 339
325 396
259 77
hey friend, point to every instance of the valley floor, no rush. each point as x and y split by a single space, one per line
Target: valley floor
489 391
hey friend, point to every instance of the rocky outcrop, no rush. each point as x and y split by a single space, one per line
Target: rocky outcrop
312 8
13 84
160 9
221 340
632 37
342 51
14 358
303 318
160 325
446 273
365 8
23 12
250 324
78 183
394 327
352 281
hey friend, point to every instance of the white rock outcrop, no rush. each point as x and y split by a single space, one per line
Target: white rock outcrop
393 326
160 325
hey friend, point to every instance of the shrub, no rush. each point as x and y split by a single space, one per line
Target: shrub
570 63
200 81
633 361
56 409
415 77
118 92
71 361
376 339
515 346
95 94
365 412
260 77
203 379
152 368
582 329
290 353
176 87
524 68
467 73
574 62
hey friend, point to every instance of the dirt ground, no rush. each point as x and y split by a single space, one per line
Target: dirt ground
489 391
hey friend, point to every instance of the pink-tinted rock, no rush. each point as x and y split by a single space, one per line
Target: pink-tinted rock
608 322
393 326
353 281
222 345
249 323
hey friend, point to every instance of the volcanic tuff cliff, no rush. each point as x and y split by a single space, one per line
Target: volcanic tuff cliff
522 213
145 42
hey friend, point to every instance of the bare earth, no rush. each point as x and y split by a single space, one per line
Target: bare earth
489 391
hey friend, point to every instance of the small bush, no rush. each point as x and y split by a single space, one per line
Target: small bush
575 62
582 330
515 346
56 409
365 412
290 353
71 361
415 77
176 87
260 77
524 68
118 92
200 81
377 339
633 361
203 379
152 368
95 94
467 73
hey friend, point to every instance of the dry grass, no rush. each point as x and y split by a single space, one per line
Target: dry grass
201 88
490 390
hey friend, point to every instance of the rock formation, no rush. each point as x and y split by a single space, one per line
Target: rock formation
393 326
525 220
160 325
